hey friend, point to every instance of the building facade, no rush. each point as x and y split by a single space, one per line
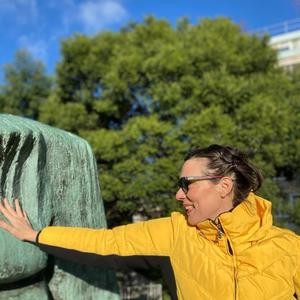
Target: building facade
285 38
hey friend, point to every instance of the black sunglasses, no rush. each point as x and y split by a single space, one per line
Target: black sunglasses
184 182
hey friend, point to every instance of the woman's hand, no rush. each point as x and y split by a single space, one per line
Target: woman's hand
18 224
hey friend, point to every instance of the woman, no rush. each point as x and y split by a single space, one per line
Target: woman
224 247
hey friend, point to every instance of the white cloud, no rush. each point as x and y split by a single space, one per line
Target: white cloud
38 48
96 15
87 16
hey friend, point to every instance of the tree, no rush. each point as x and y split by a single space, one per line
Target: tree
26 86
137 166
143 96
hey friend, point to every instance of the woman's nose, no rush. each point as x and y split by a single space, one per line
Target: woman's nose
180 195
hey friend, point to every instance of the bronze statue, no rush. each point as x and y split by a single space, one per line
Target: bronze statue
54 175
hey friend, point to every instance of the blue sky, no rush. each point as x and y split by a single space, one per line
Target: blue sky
40 25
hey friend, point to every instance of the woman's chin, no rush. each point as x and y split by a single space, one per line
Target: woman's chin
193 221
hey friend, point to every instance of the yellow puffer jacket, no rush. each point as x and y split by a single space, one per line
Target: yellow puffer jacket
243 257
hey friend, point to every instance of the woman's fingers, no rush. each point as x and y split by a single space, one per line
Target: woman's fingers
26 217
14 216
4 225
17 221
4 210
7 208
8 211
19 211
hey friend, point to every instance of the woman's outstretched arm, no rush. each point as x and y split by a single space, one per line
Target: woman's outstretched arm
16 222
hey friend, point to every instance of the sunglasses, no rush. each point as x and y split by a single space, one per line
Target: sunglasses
184 182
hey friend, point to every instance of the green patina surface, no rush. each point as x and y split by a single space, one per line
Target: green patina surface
54 175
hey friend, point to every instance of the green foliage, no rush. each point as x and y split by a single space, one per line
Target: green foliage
26 86
295 212
143 96
135 168
71 116
150 92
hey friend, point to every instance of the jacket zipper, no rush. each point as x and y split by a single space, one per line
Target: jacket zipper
220 232
234 268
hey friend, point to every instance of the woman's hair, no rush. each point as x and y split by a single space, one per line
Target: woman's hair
227 161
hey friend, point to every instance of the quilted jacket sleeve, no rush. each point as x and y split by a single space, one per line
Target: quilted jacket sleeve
297 273
154 237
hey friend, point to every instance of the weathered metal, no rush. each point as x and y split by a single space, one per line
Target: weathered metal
54 175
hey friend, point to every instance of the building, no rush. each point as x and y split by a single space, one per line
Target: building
285 38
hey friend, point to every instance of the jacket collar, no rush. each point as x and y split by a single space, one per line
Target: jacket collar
248 221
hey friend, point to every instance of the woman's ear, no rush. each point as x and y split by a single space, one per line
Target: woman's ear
225 186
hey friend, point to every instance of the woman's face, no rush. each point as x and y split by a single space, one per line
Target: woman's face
205 199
